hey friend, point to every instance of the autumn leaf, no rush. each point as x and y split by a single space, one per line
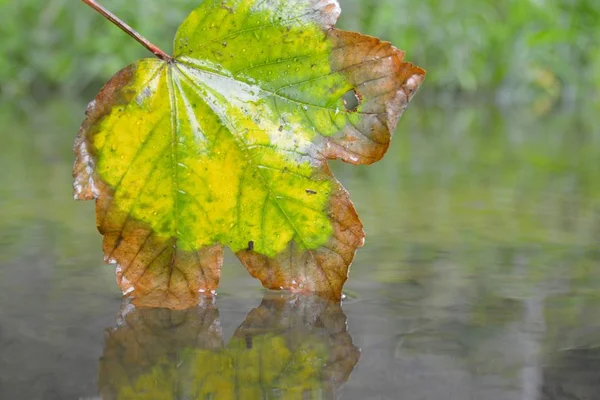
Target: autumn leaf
289 347
226 144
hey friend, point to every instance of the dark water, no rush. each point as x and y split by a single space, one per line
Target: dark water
480 278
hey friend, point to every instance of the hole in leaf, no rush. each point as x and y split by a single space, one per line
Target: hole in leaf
351 100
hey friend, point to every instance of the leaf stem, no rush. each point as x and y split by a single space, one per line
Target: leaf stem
129 30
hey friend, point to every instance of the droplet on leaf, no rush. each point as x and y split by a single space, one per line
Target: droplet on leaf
351 101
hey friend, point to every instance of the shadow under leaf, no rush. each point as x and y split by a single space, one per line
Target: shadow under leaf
290 347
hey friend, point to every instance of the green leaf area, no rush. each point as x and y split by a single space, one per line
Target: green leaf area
227 145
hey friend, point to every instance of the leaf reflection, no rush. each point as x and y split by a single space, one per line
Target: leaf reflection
290 347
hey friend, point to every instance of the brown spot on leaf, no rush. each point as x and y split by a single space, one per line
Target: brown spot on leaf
384 84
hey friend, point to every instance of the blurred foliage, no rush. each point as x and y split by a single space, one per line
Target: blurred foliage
543 51
520 49
476 217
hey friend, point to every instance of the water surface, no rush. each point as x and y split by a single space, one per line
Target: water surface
480 277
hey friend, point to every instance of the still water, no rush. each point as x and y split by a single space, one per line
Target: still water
479 279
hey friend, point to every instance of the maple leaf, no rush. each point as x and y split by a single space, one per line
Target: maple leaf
290 345
226 144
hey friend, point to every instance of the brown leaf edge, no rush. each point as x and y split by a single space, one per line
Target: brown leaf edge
150 269
189 276
383 84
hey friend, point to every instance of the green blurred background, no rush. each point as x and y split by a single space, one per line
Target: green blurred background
500 148
483 219
538 52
